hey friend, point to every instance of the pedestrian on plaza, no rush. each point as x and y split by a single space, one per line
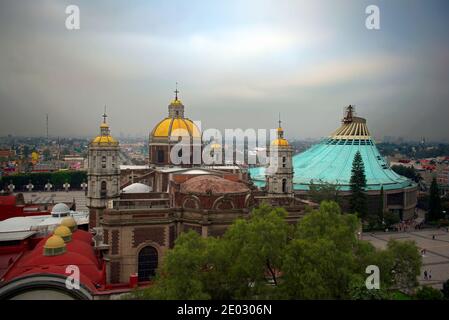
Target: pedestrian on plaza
425 274
430 275
433 237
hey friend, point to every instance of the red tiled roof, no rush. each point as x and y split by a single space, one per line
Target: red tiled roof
208 183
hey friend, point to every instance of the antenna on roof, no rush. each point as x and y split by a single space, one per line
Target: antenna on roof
47 125
349 113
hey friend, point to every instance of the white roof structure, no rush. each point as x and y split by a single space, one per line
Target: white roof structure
60 209
41 223
137 188
133 167
12 236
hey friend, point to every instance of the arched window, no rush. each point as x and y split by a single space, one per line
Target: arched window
284 185
160 156
103 162
147 263
284 160
104 189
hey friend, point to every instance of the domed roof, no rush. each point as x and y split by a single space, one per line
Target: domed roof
206 184
280 142
137 188
63 231
69 222
330 161
54 242
176 127
60 209
105 140
176 102
215 146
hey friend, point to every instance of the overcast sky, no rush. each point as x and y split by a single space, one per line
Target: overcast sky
238 64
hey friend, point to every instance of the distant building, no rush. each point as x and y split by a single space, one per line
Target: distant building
330 161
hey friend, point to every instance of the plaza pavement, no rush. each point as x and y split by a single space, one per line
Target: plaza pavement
436 259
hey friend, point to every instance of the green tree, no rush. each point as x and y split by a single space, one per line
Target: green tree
258 244
245 262
445 290
329 223
179 277
315 270
391 218
320 261
240 265
428 293
323 191
435 211
380 216
359 291
358 199
405 263
409 172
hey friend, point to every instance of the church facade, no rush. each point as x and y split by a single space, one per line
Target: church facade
142 217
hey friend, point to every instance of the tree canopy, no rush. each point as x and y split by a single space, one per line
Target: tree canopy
263 257
358 199
435 209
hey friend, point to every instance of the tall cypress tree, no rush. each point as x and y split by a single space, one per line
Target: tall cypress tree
381 204
434 212
358 199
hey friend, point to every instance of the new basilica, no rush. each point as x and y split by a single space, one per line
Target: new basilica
140 210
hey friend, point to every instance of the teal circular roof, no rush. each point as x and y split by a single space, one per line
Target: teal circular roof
330 161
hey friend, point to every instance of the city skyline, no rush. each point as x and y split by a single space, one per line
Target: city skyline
237 64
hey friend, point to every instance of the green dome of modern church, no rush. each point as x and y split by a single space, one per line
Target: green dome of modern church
330 161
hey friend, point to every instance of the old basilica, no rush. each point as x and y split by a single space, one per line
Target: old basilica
139 211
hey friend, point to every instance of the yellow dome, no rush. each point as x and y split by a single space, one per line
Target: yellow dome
54 242
280 142
69 222
176 102
177 127
62 231
104 125
104 140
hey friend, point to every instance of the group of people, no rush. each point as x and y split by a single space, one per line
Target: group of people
405 226
427 275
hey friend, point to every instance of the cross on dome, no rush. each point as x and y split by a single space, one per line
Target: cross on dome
176 92
104 115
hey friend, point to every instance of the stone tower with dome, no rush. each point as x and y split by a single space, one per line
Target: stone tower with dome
103 173
170 131
279 174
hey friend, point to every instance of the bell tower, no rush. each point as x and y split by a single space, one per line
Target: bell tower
103 173
279 173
